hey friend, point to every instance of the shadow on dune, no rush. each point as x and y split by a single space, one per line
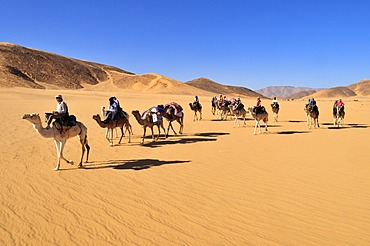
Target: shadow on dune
296 121
358 125
177 141
137 165
211 134
348 126
292 132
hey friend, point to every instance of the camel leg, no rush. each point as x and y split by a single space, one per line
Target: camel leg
181 124
164 130
317 121
62 144
173 129
111 137
107 132
142 141
116 132
159 133
127 126
200 112
255 127
57 145
122 134
168 129
83 144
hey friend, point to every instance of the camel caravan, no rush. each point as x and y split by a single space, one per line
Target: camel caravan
61 126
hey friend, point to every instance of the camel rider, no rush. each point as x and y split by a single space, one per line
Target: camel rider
340 103
258 106
61 111
312 102
275 103
196 101
112 110
238 104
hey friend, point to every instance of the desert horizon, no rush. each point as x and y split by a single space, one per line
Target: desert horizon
212 185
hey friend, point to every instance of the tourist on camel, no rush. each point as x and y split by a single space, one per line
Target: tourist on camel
112 110
340 103
238 105
258 108
196 101
61 112
275 102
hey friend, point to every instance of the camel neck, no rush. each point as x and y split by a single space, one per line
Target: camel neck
46 133
101 123
138 118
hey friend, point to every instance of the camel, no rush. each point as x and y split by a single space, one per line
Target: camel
307 111
170 116
197 108
275 111
113 124
60 138
258 117
148 122
223 109
214 105
103 113
338 114
239 113
313 113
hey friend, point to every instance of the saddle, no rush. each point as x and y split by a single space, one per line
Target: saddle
239 107
64 123
259 109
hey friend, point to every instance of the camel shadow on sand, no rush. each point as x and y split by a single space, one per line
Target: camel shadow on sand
137 165
346 126
186 139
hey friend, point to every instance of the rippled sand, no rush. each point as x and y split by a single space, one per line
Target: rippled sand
213 185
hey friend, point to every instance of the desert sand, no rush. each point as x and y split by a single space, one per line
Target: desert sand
213 185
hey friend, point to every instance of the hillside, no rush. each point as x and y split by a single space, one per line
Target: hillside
216 88
337 92
283 91
25 67
361 88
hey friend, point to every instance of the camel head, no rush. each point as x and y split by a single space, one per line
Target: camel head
33 118
96 117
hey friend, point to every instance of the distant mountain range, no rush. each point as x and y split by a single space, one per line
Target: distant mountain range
31 68
286 91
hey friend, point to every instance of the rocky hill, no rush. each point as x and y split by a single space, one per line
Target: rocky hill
25 67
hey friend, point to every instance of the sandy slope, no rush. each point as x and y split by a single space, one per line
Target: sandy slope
214 185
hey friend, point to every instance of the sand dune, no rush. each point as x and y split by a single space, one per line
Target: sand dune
213 185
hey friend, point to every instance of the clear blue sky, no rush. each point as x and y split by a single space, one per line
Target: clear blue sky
314 43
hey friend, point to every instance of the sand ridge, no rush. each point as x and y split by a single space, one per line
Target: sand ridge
213 185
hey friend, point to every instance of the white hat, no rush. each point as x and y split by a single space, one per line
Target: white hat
58 96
